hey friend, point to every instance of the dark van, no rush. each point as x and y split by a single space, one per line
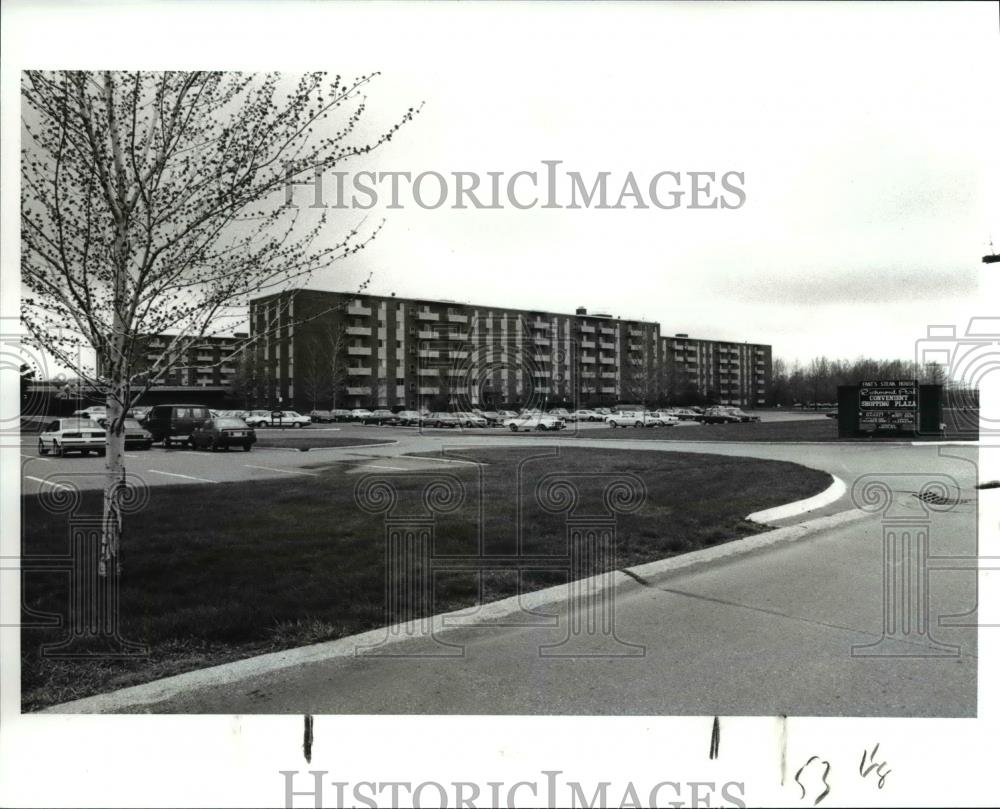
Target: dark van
175 423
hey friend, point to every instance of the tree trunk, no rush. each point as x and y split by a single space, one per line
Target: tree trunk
114 482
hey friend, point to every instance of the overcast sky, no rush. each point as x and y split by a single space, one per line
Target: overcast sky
866 134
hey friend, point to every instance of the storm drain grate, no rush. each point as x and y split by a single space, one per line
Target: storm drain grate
938 499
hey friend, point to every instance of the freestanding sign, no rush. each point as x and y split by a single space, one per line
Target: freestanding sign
888 404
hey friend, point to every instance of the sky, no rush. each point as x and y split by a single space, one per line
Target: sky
866 136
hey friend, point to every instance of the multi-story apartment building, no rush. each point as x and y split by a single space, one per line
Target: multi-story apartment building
326 349
205 362
714 370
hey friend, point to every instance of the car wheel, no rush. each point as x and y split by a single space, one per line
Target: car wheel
166 442
513 428
246 446
542 427
638 424
57 450
101 453
214 445
612 424
41 448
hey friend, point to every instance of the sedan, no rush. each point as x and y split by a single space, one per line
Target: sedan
223 433
380 417
471 420
360 413
277 418
720 415
62 436
136 436
408 418
441 419
321 416
587 415
541 422
493 418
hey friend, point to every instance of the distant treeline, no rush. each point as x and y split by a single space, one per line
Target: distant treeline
818 380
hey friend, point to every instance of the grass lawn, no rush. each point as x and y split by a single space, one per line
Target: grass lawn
216 573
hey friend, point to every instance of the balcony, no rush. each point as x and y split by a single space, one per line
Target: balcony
427 334
428 316
541 325
588 329
607 360
458 318
542 358
635 347
359 370
607 330
358 331
542 341
608 389
358 310
435 372
635 332
588 376
458 355
358 391
458 336
427 354
359 351
607 346
588 360
588 344
425 390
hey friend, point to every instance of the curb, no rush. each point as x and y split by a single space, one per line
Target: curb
831 494
150 694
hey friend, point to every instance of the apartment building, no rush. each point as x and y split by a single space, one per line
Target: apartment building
729 373
335 349
205 362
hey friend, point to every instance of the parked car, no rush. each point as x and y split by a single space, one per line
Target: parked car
720 415
321 416
408 418
506 415
467 419
341 415
492 417
586 415
139 413
663 418
62 436
742 415
683 413
626 418
604 411
380 417
136 436
560 413
170 423
277 418
96 413
359 413
223 433
534 421
441 419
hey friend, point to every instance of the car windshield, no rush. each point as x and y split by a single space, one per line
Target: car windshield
132 424
76 424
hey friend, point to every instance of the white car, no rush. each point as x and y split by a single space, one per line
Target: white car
535 421
360 413
96 413
466 419
276 418
664 419
587 415
71 435
626 418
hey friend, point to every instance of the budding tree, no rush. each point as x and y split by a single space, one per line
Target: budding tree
153 203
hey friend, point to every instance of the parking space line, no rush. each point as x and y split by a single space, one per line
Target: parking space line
36 458
178 475
446 460
49 482
286 471
376 466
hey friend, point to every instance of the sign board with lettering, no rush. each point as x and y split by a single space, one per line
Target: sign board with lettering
888 404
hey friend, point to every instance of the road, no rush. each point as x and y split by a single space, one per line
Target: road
767 632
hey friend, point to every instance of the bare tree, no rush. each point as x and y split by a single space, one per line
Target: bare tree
152 203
